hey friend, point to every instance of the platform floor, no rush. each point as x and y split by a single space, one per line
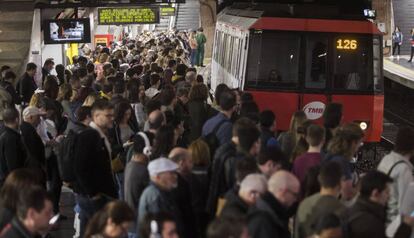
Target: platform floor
399 70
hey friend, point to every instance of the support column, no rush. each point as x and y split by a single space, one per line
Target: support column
208 18
385 17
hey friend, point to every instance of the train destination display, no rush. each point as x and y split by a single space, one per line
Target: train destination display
132 15
167 11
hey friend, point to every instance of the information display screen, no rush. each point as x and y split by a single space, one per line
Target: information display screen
167 11
347 44
133 15
62 31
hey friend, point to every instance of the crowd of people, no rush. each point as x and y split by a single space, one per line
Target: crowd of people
148 152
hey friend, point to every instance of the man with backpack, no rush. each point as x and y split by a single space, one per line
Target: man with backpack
94 178
220 125
228 151
397 165
66 149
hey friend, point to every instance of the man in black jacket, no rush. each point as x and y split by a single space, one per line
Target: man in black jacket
367 216
238 204
32 141
94 178
27 85
12 153
270 217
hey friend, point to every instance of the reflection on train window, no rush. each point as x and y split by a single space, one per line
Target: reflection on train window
377 66
352 67
279 61
316 62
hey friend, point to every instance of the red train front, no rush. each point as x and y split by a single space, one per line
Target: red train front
294 63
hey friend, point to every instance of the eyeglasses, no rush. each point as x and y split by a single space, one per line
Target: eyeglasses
295 194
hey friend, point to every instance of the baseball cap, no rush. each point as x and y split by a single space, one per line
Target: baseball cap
32 111
161 165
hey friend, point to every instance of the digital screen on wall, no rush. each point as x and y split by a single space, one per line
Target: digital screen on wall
62 31
133 15
167 11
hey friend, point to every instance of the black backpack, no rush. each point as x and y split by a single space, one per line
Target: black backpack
211 138
66 155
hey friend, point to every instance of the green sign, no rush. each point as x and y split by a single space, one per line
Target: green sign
133 15
167 11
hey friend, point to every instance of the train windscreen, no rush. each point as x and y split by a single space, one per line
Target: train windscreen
317 61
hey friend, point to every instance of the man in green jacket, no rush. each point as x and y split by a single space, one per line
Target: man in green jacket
201 40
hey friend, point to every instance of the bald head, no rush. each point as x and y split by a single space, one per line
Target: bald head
183 158
156 119
285 187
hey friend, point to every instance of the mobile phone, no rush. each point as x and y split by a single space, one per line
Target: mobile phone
54 219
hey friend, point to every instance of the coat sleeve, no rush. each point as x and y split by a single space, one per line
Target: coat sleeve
85 153
259 227
13 159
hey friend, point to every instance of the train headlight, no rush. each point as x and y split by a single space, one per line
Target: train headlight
363 125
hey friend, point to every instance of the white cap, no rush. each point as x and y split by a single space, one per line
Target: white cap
32 111
161 165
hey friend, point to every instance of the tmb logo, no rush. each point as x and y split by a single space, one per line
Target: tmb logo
314 110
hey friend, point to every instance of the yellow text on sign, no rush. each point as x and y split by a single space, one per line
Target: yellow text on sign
346 44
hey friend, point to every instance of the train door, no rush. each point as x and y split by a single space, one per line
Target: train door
314 94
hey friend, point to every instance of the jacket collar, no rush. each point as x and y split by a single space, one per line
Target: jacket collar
365 205
19 227
102 134
269 203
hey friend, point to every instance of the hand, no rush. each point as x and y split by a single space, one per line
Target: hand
96 197
409 220
128 143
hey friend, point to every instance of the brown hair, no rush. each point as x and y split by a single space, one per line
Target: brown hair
315 135
65 92
16 182
344 137
297 119
200 153
198 92
118 211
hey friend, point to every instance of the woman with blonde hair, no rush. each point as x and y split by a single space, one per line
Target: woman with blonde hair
90 99
64 97
289 139
35 100
342 148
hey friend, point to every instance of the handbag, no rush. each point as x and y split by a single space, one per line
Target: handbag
117 164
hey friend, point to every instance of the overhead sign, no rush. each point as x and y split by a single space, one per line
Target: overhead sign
132 15
98 3
167 11
314 110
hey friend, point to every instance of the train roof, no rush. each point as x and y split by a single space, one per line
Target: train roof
266 16
303 10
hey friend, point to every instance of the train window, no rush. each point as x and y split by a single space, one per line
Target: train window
316 61
279 61
377 67
352 65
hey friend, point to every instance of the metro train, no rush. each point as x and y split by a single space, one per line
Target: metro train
302 57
